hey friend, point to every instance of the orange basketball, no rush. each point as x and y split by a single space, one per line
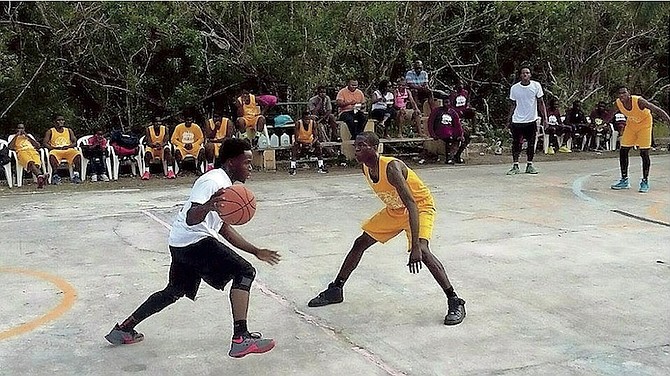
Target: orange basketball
238 205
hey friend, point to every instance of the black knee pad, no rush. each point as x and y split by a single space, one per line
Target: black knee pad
244 278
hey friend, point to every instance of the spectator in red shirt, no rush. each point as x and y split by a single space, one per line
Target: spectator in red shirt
96 152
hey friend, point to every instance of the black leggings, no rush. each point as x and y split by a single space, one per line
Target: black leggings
521 131
623 162
209 260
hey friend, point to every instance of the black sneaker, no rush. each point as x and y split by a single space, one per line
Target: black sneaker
121 337
291 171
456 312
331 295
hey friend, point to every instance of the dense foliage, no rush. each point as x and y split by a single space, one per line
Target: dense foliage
114 64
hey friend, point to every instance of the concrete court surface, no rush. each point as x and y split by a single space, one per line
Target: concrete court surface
556 282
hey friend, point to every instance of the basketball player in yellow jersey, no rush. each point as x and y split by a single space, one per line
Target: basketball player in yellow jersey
306 140
218 129
187 140
408 207
637 132
249 116
60 142
156 151
26 148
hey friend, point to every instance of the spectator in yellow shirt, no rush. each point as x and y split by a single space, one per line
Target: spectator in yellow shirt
188 140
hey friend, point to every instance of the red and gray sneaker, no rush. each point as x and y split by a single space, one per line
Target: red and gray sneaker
250 343
41 180
122 337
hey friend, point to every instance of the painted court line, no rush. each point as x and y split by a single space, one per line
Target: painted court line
369 356
69 296
577 189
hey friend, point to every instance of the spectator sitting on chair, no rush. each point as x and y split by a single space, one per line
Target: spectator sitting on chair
61 142
382 106
26 148
555 124
156 139
599 128
306 140
403 97
444 124
417 81
187 140
555 128
576 118
218 129
249 115
96 152
321 109
350 101
460 100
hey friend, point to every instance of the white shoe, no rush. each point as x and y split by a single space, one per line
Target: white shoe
94 178
104 177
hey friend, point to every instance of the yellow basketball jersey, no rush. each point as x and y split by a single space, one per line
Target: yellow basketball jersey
59 139
223 129
635 116
157 137
23 143
250 109
305 136
389 195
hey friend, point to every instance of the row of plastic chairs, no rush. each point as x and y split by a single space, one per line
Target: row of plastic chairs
611 145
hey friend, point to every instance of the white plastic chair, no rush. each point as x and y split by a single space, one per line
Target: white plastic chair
84 160
143 151
7 166
19 169
136 162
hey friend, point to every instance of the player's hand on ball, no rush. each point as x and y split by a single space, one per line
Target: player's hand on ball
271 257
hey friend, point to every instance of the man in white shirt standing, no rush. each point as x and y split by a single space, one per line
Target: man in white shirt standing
198 253
526 95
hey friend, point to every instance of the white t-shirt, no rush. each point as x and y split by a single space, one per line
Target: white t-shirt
182 234
526 101
388 100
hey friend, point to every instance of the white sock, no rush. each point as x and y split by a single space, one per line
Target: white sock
146 169
293 164
169 168
320 163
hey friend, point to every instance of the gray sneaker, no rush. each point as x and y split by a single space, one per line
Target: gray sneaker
104 177
531 170
121 337
55 179
75 178
514 170
250 343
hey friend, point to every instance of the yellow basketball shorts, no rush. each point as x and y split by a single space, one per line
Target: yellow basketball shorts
387 223
155 153
639 135
67 154
27 156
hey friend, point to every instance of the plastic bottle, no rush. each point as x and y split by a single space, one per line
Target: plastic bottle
263 142
285 140
274 140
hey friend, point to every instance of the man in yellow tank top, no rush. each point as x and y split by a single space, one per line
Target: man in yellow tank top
250 117
639 124
26 148
306 140
157 150
188 140
409 207
61 142
218 129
